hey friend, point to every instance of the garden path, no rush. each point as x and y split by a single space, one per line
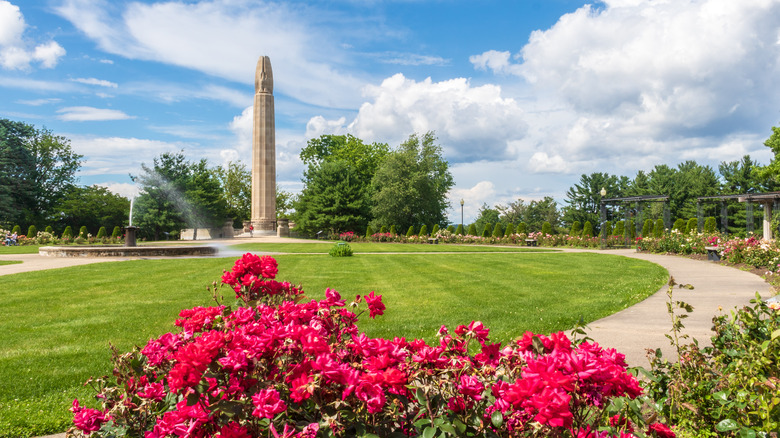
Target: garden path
632 331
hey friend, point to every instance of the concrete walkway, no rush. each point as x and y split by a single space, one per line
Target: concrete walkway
717 289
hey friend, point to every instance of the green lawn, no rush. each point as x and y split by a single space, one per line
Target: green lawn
57 324
19 249
9 262
323 248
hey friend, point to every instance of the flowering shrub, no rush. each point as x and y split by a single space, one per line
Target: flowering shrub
341 249
750 250
283 366
349 236
732 387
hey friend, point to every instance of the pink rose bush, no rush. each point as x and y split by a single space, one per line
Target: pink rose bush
283 366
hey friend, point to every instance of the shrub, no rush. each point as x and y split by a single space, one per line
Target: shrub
451 229
710 225
102 233
587 229
620 229
423 230
547 228
117 232
631 230
498 231
576 228
83 233
692 226
369 232
393 230
658 231
647 228
16 229
606 230
510 229
730 387
435 229
49 229
32 231
487 230
521 229
410 231
383 229
459 230
472 230
68 232
679 225
341 249
281 365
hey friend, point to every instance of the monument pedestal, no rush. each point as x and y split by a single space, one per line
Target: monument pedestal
264 227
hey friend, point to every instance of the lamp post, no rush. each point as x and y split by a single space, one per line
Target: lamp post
603 218
461 213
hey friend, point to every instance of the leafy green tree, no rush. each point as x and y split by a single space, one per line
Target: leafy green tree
332 199
472 230
512 213
486 215
235 182
541 211
37 168
162 204
205 205
769 175
498 231
93 206
412 182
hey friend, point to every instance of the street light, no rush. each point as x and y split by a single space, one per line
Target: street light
603 218
461 213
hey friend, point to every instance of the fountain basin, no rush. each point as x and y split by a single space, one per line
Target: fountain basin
126 251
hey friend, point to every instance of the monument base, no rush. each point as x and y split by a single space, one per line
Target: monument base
264 227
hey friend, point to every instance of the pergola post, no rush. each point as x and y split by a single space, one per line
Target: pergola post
767 221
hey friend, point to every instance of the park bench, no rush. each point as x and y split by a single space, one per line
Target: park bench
713 253
433 240
530 242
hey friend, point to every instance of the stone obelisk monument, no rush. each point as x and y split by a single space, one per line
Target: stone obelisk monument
264 151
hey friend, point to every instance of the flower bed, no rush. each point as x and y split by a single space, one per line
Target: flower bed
279 365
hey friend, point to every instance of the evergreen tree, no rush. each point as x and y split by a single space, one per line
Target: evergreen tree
472 230
631 230
710 225
659 229
435 229
423 230
606 231
498 231
102 233
620 229
587 229
459 230
68 232
83 232
451 229
410 231
647 228
692 226
49 229
486 231
547 228
117 232
369 232
392 230
576 228
510 229
679 225
32 231
383 230
521 229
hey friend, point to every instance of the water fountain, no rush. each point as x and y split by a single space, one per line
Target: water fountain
129 249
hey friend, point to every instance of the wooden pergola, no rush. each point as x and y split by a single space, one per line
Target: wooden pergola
625 202
770 201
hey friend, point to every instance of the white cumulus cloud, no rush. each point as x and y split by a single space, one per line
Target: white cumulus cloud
95 81
470 122
90 114
16 52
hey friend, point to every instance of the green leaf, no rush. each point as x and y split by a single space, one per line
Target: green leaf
721 396
497 419
192 398
370 435
775 334
746 433
727 425
448 428
429 432
422 422
459 426
420 395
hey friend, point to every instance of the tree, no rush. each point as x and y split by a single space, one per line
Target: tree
411 184
584 198
769 175
498 231
94 207
285 202
472 230
206 206
541 211
37 168
512 213
333 199
235 182
486 215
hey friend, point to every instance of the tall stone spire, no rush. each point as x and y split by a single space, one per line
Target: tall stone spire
264 151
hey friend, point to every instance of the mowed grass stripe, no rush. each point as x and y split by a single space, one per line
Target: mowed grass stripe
372 247
57 324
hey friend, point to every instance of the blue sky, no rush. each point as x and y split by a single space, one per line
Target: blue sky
524 95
